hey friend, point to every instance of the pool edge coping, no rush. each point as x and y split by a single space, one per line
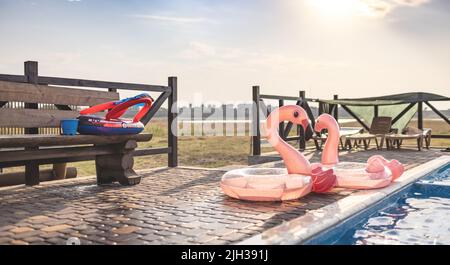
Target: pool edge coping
314 222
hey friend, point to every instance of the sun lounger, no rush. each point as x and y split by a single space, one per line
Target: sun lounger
410 133
379 127
344 132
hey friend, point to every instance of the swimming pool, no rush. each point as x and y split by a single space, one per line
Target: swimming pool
417 214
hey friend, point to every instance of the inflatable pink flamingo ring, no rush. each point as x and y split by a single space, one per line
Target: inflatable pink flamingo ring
376 173
279 184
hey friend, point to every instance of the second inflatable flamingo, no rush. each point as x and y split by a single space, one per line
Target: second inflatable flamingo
376 173
275 184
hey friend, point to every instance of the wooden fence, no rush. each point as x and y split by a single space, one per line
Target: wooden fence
166 92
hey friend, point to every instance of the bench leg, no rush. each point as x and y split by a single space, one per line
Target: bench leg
341 142
60 170
32 174
348 144
102 176
419 143
31 171
381 143
366 145
117 167
377 144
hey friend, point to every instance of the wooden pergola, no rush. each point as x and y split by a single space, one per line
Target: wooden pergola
414 99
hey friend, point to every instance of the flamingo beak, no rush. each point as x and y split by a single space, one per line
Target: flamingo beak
305 124
317 127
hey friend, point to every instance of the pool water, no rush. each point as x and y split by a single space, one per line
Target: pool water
418 215
440 176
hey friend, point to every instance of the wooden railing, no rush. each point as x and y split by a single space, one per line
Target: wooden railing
167 92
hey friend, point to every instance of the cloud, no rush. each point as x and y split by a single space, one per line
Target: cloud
73 1
411 2
172 19
380 8
368 8
226 58
198 50
376 8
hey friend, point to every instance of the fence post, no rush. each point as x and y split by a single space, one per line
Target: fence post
300 131
172 130
419 115
281 125
247 125
335 113
256 138
235 116
31 168
224 118
202 107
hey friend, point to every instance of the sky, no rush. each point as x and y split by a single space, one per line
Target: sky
220 49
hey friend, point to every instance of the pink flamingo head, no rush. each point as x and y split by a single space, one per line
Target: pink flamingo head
325 121
295 162
292 113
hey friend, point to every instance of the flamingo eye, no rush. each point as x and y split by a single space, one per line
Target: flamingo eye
295 114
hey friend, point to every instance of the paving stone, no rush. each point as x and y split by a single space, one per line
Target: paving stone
6 227
151 237
18 242
195 232
124 238
5 240
239 225
165 232
217 242
221 232
56 228
38 218
49 234
56 241
26 234
18 230
205 239
144 231
194 224
33 240
125 230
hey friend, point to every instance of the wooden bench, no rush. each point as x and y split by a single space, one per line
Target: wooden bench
113 155
42 107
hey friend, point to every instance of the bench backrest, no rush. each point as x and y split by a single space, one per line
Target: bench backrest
53 104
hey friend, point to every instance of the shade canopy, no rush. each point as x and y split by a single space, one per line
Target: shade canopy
388 100
399 106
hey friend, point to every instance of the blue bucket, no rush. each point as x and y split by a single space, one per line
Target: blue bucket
69 126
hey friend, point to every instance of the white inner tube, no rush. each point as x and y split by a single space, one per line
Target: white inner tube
264 178
354 175
265 184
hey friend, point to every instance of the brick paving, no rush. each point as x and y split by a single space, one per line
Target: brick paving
170 206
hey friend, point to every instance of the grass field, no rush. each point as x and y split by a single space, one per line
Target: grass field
217 151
